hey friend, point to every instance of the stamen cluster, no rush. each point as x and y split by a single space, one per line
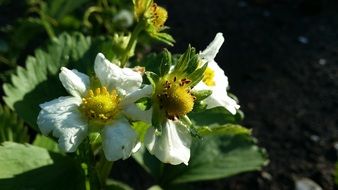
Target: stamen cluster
176 98
158 16
100 105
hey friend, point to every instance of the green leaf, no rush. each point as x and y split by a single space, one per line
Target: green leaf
155 187
47 143
60 8
117 185
336 174
11 127
22 41
38 82
211 158
217 115
226 130
215 158
151 62
30 167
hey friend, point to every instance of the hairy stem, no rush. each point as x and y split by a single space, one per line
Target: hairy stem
128 52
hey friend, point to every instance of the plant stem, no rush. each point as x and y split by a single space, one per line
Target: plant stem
87 158
132 42
103 169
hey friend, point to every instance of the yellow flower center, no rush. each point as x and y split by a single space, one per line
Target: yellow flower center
175 98
158 16
208 77
100 105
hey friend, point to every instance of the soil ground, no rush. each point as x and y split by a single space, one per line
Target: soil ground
281 57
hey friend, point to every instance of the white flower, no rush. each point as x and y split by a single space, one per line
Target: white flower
172 145
108 107
215 80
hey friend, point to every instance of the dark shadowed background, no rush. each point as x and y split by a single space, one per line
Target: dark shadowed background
281 57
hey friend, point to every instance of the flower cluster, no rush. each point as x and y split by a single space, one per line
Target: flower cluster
105 104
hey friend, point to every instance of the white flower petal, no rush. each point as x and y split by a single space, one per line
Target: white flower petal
131 98
67 125
221 80
172 146
136 147
112 76
61 104
134 113
52 112
219 96
131 110
72 132
119 139
211 51
222 99
74 82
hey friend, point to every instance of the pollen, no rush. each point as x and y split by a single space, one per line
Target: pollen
159 16
100 105
209 76
176 98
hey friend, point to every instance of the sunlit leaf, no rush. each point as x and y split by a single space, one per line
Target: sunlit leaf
227 129
47 143
211 158
30 167
38 82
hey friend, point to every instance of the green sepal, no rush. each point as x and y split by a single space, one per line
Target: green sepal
197 75
166 62
153 78
158 35
163 37
192 64
201 94
144 103
95 138
199 106
193 129
183 60
185 120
